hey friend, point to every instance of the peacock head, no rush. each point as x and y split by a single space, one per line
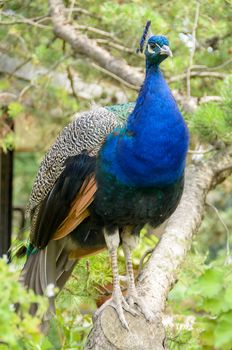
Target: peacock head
157 49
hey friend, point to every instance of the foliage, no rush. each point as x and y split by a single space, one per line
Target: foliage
8 142
213 121
200 300
205 293
69 328
18 330
25 168
14 109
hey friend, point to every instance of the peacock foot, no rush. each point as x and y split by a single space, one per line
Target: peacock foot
118 302
133 299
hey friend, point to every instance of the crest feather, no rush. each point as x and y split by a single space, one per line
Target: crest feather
144 37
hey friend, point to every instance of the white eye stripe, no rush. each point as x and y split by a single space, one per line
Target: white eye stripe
150 50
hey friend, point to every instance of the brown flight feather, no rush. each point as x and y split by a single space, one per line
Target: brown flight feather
79 208
83 252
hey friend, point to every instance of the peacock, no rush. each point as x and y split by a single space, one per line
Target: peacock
110 171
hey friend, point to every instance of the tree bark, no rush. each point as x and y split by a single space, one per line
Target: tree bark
159 274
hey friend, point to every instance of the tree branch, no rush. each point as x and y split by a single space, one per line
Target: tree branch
82 44
159 273
199 74
22 20
116 67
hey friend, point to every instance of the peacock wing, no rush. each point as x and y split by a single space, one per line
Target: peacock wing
74 186
85 134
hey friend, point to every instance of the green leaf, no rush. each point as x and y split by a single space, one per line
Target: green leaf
46 345
8 142
18 329
207 328
228 296
14 109
215 305
223 332
210 283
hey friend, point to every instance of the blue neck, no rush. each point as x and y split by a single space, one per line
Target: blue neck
151 149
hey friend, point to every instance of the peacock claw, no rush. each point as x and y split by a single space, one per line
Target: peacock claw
133 299
118 302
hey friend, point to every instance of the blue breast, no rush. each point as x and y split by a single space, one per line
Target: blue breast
151 149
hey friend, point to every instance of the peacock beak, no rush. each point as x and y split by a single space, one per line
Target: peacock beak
165 50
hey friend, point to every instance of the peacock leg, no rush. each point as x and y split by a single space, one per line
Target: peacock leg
129 242
117 300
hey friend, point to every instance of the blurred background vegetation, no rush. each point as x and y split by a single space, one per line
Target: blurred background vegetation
46 83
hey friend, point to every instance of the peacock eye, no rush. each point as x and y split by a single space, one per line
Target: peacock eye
152 46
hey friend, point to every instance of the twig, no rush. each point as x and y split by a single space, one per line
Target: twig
43 19
71 10
24 21
105 293
75 277
147 252
221 65
210 149
198 74
70 291
97 31
134 87
15 15
206 99
83 11
6 98
225 226
116 46
192 52
20 66
57 63
215 67
199 66
24 90
70 77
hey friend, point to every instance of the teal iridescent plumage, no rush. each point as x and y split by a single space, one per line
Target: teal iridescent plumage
31 249
122 111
